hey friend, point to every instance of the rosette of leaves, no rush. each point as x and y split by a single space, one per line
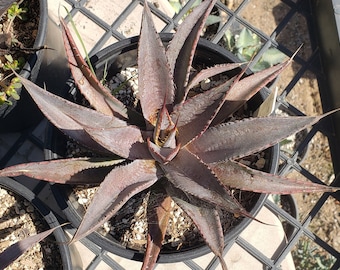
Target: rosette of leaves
176 144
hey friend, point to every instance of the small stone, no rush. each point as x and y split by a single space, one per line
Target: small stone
205 85
82 200
260 163
30 208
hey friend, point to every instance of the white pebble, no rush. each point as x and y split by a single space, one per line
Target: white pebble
82 200
205 85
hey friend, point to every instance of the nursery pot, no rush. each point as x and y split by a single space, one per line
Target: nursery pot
117 57
60 238
24 113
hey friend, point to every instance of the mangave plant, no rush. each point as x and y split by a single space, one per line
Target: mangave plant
176 144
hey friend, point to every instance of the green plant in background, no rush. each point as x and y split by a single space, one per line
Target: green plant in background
247 44
308 256
9 90
8 84
15 11
13 64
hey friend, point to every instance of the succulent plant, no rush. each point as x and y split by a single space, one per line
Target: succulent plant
176 144
246 44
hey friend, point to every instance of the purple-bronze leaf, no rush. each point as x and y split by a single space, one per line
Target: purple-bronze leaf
189 174
17 249
99 97
155 86
181 49
195 115
126 142
205 217
64 171
117 188
158 217
240 138
246 88
69 117
162 154
162 125
237 175
210 72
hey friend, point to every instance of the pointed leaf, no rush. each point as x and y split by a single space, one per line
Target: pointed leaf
126 142
240 138
17 249
243 90
64 171
163 124
117 188
154 77
99 97
205 217
69 117
210 72
196 114
188 173
158 218
183 46
237 175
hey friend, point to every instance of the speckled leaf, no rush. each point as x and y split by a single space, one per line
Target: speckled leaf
205 217
183 45
155 86
17 249
64 171
126 142
210 72
158 218
69 117
117 188
188 173
237 175
241 138
244 89
196 114
99 97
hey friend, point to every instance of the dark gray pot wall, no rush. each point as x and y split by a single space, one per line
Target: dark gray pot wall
51 220
117 57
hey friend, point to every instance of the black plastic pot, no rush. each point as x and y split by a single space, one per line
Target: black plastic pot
24 113
117 57
49 217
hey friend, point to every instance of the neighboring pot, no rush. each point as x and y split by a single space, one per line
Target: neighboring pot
115 58
59 235
24 113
